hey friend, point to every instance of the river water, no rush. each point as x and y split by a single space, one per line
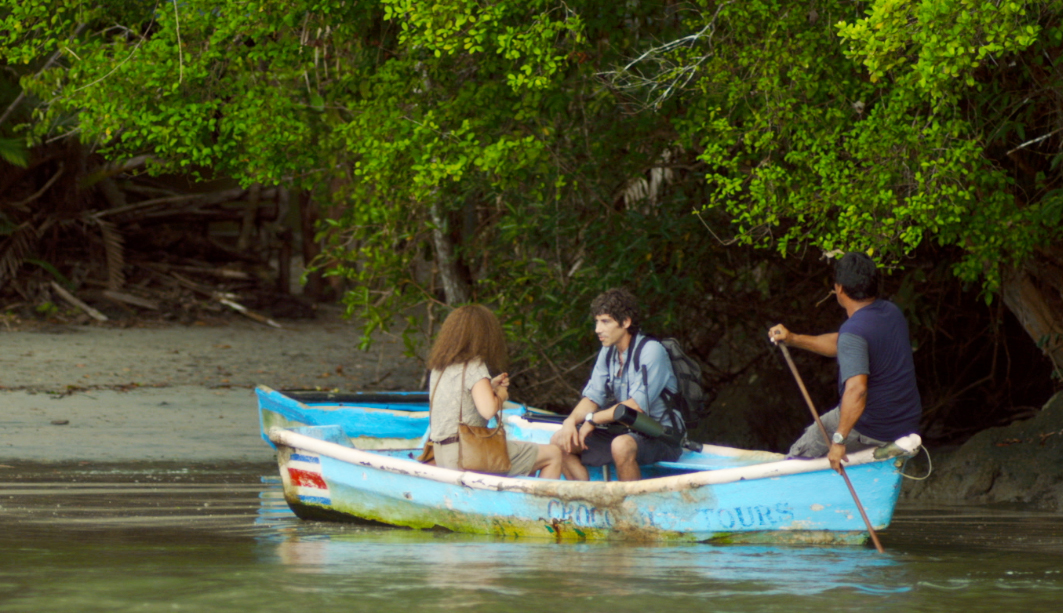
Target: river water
220 538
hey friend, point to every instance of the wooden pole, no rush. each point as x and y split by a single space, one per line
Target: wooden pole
826 437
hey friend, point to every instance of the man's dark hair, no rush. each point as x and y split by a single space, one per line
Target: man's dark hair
858 276
619 304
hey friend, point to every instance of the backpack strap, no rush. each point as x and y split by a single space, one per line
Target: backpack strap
638 351
665 393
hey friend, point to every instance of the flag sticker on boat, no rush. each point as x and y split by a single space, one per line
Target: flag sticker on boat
305 457
304 474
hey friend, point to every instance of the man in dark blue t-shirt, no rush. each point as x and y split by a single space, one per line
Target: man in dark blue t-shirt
876 375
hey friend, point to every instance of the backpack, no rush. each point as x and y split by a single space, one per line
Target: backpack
689 401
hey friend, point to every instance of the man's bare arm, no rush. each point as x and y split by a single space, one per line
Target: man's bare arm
854 400
568 438
823 344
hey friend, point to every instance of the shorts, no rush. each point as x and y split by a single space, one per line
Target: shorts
599 450
522 456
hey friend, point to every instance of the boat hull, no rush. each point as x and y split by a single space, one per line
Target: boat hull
370 420
384 420
790 501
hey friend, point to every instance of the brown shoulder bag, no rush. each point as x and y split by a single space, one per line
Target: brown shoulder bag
480 449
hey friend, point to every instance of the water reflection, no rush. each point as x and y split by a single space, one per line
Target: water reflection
222 546
935 560
457 561
452 561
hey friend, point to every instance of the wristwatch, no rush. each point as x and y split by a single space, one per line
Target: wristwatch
589 419
838 439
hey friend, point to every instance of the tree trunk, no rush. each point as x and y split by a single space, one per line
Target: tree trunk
284 239
247 225
455 288
308 216
1034 294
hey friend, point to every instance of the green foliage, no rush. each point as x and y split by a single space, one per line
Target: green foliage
13 152
878 126
492 116
964 71
525 34
34 29
892 138
929 46
496 137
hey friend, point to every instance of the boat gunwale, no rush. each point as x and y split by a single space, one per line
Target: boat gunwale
338 407
554 487
510 413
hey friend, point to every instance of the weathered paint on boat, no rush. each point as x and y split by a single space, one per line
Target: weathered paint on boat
371 420
795 501
375 420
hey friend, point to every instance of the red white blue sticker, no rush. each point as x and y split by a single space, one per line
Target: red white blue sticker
304 473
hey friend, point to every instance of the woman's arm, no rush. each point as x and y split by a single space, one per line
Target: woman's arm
487 401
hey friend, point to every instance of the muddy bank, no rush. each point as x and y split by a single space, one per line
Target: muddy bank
88 393
237 353
180 423
183 395
1019 464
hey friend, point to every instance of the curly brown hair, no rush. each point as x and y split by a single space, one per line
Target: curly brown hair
471 331
619 304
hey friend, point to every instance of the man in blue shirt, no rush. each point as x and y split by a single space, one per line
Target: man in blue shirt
876 374
616 381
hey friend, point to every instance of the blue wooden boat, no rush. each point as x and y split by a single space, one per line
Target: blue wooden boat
719 494
370 420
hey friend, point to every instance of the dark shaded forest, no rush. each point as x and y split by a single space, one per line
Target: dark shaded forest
196 162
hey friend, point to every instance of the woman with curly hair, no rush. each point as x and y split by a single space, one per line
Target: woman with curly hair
470 346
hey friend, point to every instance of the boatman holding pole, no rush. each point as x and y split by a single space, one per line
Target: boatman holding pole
880 401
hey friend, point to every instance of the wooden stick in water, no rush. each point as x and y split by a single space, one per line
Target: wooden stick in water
826 437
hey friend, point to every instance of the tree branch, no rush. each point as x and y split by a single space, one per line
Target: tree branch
21 205
22 95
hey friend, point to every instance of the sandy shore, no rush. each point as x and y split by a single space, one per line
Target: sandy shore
175 393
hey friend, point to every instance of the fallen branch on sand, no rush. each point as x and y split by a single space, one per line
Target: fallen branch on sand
65 295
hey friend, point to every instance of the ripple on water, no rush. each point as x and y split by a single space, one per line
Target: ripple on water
224 541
